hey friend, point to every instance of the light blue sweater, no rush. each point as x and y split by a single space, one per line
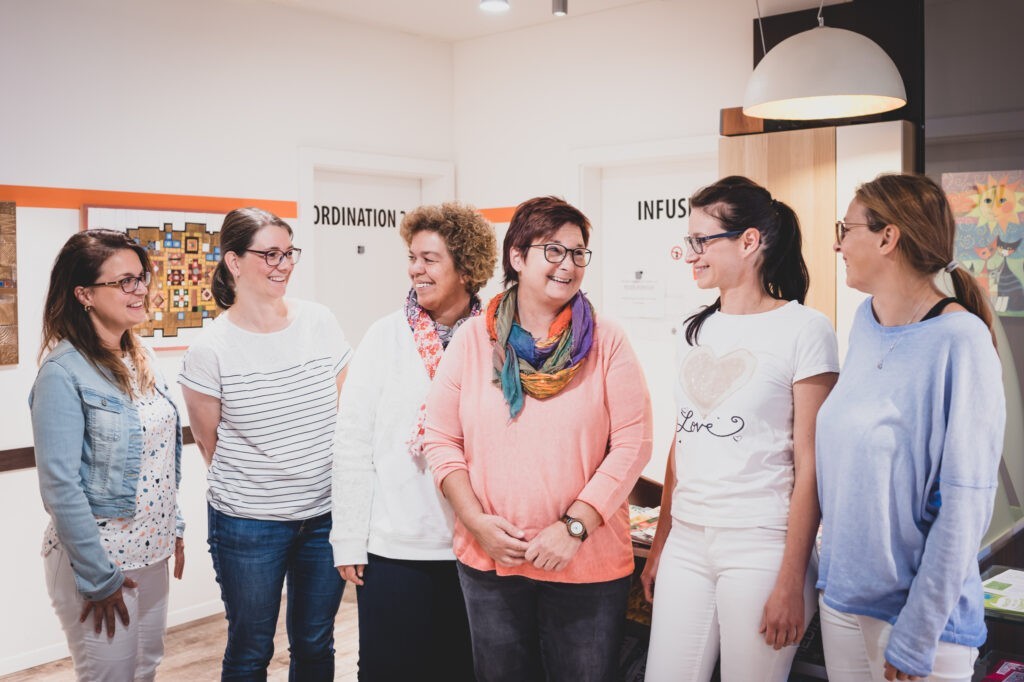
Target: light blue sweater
907 461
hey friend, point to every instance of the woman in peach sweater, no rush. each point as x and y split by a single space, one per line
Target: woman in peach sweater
538 425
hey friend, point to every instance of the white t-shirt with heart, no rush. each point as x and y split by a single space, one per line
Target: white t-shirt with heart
734 413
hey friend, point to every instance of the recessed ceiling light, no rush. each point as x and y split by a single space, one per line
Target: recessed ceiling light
494 6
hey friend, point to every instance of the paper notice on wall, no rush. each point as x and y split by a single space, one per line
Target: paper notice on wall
637 293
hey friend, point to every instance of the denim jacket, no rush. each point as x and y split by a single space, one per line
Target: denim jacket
88 446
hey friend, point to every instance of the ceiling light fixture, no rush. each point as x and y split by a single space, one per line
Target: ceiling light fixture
823 73
559 7
494 6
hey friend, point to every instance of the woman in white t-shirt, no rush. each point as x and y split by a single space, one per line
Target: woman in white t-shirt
261 386
740 509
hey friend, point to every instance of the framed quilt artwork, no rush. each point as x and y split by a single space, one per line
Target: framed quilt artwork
8 285
989 212
184 248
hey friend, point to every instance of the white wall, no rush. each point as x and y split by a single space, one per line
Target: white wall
974 113
531 104
197 97
184 97
216 98
651 71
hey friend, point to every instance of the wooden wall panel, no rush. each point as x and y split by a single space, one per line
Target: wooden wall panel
799 168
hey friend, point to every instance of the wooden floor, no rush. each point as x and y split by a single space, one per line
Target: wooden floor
193 651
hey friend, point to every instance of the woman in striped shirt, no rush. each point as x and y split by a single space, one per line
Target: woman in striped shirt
261 386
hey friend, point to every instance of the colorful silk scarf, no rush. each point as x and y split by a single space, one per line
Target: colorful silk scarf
431 339
541 368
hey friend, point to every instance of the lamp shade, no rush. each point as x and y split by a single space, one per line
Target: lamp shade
824 73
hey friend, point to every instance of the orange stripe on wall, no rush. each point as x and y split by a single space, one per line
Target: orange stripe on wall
498 215
58 197
62 197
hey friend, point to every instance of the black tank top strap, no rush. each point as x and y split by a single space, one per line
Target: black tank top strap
937 309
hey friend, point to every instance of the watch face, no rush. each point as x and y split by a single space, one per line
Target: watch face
576 528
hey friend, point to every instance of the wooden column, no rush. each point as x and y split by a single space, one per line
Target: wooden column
799 168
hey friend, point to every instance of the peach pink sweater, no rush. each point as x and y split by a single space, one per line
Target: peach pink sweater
589 442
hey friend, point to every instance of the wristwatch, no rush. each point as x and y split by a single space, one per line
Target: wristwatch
575 527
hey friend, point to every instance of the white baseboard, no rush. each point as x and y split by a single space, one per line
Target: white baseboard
194 612
55 652
30 659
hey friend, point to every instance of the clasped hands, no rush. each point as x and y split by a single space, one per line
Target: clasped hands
549 550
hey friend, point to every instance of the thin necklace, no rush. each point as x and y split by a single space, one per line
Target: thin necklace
899 337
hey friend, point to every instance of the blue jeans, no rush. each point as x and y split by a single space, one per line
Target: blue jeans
525 629
412 622
252 558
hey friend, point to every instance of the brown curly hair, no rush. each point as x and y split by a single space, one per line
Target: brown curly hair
468 236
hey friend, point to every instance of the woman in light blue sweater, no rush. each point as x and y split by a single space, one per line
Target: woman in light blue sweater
908 447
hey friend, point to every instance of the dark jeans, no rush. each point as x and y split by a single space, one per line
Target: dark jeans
252 558
530 630
412 622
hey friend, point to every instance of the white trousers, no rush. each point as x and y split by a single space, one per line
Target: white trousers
855 650
709 596
134 652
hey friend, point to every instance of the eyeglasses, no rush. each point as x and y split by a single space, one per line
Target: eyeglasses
275 257
128 284
842 227
556 253
696 244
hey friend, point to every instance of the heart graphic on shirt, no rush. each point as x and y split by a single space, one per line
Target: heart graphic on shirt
709 380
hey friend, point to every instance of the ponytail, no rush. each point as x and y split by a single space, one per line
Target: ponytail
919 207
971 296
784 274
696 321
236 236
223 286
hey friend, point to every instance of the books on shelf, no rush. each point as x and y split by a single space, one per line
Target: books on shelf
643 523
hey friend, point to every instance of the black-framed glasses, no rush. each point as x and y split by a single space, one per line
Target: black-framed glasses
129 284
275 257
556 253
696 244
842 227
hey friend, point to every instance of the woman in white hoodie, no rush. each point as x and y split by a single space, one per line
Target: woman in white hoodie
392 532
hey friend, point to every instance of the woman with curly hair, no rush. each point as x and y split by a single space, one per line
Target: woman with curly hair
392 533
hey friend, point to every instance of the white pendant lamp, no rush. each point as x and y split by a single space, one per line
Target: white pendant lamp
494 6
824 73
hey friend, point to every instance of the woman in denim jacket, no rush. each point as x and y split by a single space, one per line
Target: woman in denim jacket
108 446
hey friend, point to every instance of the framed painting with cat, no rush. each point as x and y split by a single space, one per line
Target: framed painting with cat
989 212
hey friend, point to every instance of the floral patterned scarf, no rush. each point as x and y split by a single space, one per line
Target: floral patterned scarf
541 368
431 339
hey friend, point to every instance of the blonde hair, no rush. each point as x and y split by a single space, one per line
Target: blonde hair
919 208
